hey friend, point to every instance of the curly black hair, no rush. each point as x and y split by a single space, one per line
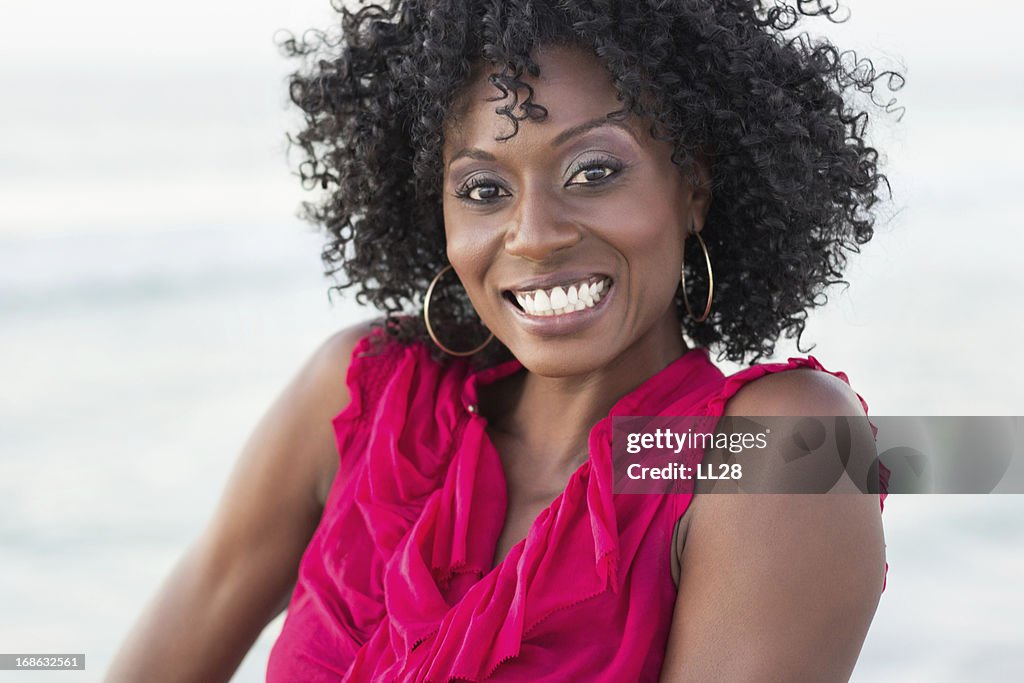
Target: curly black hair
793 178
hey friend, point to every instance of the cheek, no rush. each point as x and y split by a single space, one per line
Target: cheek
648 230
461 243
469 252
649 235
655 266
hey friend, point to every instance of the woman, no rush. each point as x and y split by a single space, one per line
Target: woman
578 199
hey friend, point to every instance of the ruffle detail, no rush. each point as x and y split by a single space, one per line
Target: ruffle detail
393 460
397 583
449 615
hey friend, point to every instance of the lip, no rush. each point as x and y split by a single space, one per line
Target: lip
560 279
567 323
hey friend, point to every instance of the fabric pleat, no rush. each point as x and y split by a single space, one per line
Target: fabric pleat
397 582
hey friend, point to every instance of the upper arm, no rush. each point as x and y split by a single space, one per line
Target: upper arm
778 586
275 495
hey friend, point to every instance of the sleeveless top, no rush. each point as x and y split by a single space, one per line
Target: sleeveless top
396 583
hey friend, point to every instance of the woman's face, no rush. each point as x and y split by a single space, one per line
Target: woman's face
568 237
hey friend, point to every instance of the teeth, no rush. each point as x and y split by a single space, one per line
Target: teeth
560 300
541 302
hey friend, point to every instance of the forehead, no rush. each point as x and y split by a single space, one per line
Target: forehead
573 86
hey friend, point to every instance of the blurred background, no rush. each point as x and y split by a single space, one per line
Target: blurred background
157 292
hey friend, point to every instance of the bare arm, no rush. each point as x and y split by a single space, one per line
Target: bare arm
778 587
238 575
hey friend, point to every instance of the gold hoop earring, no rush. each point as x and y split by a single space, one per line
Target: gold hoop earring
430 328
711 281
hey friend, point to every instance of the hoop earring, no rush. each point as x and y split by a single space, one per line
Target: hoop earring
711 281
430 328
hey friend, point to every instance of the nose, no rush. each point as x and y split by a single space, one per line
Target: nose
540 227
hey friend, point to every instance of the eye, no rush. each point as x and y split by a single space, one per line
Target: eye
594 171
479 190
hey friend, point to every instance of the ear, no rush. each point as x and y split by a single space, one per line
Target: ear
700 190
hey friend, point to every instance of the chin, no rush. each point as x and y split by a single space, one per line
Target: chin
561 358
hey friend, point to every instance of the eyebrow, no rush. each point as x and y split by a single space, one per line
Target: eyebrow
560 139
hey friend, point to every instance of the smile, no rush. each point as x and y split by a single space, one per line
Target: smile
563 299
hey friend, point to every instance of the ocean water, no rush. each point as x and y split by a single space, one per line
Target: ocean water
157 293
132 375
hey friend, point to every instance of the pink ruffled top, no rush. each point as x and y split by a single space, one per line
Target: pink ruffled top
397 584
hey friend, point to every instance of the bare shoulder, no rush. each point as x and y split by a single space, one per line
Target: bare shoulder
800 391
325 372
290 459
335 351
795 578
796 392
321 392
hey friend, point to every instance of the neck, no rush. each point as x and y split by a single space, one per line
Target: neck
552 416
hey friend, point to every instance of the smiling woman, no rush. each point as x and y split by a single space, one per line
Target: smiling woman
534 194
577 205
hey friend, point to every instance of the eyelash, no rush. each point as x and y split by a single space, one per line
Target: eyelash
597 162
464 191
473 183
